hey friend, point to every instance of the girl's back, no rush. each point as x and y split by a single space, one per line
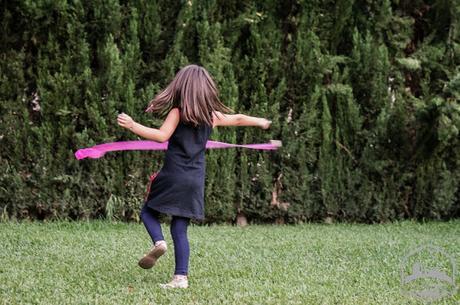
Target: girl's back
188 144
178 189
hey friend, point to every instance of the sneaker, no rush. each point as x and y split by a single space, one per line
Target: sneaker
178 281
150 258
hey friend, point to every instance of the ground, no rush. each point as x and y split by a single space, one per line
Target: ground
95 262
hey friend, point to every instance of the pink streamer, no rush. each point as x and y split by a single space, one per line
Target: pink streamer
98 151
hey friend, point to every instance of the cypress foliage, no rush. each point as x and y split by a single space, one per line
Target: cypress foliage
261 91
301 121
221 184
364 95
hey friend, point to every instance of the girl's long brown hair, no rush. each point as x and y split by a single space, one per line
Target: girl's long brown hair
194 92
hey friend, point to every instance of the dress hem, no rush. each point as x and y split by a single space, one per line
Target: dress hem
175 212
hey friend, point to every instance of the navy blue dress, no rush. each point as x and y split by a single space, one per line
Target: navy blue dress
178 189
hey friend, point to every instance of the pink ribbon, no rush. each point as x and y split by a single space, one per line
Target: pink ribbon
98 151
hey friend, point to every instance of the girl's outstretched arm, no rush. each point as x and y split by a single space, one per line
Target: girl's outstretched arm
159 135
220 119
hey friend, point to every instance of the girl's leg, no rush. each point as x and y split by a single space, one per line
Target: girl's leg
152 224
181 246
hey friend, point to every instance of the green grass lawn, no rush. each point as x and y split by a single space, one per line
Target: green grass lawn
96 263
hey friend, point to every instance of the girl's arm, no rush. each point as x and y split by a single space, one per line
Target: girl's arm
159 135
220 119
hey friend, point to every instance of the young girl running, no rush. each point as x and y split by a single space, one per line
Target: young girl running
193 108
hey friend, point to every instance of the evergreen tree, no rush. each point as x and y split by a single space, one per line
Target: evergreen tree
364 95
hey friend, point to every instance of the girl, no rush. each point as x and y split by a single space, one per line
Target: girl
193 108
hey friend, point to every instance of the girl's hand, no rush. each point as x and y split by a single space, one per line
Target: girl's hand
125 121
265 124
